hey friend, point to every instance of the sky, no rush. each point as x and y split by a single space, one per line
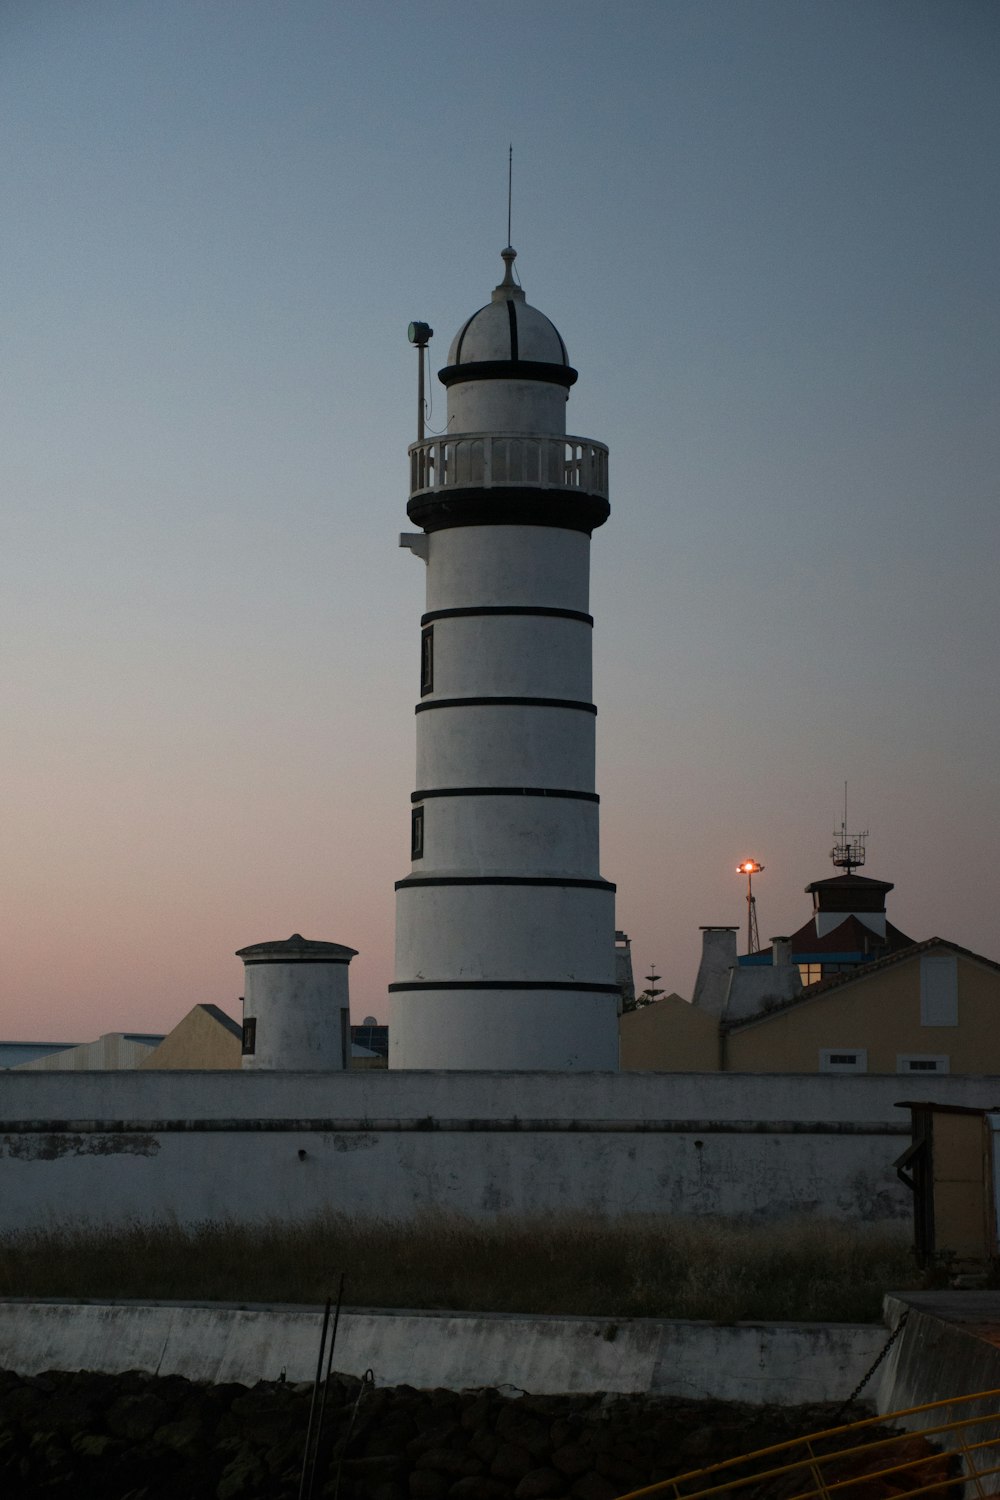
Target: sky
768 233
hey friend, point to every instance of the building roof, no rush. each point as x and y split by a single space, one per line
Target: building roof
834 883
859 972
296 949
223 1019
849 936
508 331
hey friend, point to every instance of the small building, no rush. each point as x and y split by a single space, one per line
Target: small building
113 1052
930 1008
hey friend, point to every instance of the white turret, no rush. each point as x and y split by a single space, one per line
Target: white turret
505 930
296 1006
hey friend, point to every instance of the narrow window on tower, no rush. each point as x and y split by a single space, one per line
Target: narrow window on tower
427 660
250 1036
417 833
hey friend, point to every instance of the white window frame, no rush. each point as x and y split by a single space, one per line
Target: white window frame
858 1065
941 1061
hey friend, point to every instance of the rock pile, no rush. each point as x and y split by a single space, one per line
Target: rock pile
135 1437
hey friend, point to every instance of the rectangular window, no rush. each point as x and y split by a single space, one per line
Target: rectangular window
345 1037
250 1036
843 1060
938 991
417 833
921 1062
427 660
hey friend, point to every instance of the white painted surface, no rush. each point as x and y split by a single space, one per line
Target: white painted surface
778 1362
545 933
504 745
537 655
759 988
718 958
298 1008
826 921
536 1029
65 1171
483 565
486 1096
508 835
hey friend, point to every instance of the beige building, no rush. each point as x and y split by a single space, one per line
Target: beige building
930 1008
205 1038
669 1036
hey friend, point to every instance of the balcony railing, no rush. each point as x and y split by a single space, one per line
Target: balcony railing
483 460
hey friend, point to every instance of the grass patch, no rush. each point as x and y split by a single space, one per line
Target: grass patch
723 1270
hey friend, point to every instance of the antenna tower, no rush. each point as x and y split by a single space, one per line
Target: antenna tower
651 993
750 868
848 852
510 181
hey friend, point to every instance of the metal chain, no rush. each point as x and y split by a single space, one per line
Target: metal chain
894 1335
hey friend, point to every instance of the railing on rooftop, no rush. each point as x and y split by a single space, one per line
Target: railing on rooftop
487 459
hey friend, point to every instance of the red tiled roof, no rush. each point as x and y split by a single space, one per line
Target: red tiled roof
851 936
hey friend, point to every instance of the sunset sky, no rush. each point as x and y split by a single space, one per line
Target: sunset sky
768 233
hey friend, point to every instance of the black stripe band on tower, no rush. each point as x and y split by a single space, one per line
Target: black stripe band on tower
502 791
508 505
508 984
508 369
560 880
278 958
512 320
578 707
506 609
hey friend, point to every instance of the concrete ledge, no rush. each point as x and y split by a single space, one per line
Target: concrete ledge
950 1346
783 1363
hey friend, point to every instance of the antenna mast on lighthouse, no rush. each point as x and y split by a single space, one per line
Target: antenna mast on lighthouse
848 852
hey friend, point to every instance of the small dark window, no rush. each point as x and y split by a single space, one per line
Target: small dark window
250 1036
427 660
923 1065
845 1059
417 833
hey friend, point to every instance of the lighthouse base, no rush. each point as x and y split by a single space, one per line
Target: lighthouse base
520 1029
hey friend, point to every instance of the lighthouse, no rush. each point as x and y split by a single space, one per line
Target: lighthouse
505 929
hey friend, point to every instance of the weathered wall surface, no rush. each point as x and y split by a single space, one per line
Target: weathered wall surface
758 1362
193 1146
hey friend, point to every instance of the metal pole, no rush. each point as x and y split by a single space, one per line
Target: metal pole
421 348
326 1385
312 1404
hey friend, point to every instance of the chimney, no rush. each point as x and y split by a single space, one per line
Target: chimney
718 956
781 952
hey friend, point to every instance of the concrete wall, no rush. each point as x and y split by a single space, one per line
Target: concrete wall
758 1362
114 1147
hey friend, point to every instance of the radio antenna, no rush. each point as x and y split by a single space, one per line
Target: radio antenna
510 179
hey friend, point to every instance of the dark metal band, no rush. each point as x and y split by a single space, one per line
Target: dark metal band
502 791
513 505
506 609
503 702
509 369
506 984
565 883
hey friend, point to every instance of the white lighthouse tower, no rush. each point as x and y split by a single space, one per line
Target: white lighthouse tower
505 930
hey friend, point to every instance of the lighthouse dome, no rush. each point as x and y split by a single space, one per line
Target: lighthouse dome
508 337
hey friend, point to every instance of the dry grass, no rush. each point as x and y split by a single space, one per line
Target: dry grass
812 1270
